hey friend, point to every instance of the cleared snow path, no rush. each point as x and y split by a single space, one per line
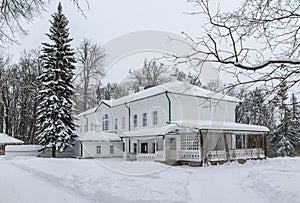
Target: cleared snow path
115 180
18 186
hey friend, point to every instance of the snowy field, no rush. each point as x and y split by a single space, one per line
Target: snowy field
114 180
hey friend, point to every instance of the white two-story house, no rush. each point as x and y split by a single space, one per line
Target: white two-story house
176 122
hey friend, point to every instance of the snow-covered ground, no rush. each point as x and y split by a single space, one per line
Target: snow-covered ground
114 180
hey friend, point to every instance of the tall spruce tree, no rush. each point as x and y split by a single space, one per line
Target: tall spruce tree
55 125
295 119
284 138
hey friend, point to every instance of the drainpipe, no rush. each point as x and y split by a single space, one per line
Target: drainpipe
81 150
129 118
169 100
87 122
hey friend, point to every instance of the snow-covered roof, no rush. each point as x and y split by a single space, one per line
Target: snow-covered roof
146 132
99 136
5 139
22 148
92 110
172 87
195 124
220 125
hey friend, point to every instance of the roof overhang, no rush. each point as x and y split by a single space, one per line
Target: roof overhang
150 132
221 126
99 136
6 139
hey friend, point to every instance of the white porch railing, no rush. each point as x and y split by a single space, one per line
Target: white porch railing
217 155
220 155
160 156
238 154
188 155
145 157
194 155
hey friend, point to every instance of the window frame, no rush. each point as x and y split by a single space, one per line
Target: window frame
135 120
145 119
98 149
123 122
154 118
116 123
111 149
105 123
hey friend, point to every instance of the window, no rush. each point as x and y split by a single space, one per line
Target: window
144 119
98 149
172 143
85 128
189 142
111 149
135 121
154 118
123 122
116 124
105 122
92 126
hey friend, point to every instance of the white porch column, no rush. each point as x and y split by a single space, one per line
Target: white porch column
178 146
246 143
164 149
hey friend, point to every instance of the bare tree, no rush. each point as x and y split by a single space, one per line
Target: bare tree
18 96
261 36
14 13
153 73
90 58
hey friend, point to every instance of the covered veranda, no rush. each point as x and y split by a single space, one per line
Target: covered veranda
197 141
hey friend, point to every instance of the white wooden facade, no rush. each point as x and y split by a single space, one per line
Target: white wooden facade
165 123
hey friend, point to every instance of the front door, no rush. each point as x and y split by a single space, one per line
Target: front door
144 147
134 148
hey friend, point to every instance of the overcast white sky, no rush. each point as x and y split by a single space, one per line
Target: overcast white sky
109 19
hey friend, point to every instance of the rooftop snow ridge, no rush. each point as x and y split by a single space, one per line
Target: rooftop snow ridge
176 87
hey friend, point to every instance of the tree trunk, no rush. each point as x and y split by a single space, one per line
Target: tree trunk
53 151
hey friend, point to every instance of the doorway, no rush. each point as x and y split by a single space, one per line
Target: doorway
144 147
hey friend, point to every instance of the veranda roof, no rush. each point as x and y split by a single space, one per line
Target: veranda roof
5 139
195 124
99 136
220 126
148 132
